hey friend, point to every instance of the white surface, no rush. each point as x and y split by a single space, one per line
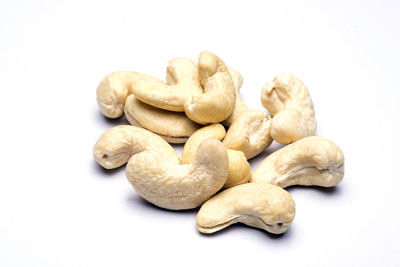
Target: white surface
59 208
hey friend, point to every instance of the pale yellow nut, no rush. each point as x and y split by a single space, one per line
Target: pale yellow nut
237 78
117 145
172 186
312 160
239 168
218 100
215 130
182 83
115 88
259 205
240 106
174 127
289 101
249 133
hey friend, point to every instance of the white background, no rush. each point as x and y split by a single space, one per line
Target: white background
59 208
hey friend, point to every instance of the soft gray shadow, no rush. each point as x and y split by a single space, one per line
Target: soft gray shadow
112 122
105 173
268 151
242 227
135 200
335 190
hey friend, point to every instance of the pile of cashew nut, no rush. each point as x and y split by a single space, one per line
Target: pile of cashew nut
199 104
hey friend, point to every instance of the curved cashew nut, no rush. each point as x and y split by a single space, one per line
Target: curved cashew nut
249 133
289 101
114 89
239 169
237 78
174 127
117 145
182 83
177 187
218 100
260 205
312 160
240 106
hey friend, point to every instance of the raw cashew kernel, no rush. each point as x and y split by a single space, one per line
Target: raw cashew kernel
289 101
218 100
117 145
240 106
312 160
172 186
239 168
174 127
249 133
182 83
115 88
259 205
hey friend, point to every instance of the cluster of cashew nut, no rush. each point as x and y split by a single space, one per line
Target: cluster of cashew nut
194 106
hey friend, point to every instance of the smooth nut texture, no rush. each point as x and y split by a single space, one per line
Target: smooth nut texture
218 100
115 88
215 130
117 145
239 167
237 78
249 133
174 127
182 83
240 106
172 186
289 101
259 205
312 160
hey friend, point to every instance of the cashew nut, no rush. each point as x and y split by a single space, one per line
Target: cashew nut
249 133
239 168
114 89
289 101
240 106
182 83
218 100
117 145
259 205
174 127
172 186
312 160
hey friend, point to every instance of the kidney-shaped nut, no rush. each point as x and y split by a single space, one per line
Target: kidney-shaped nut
117 145
182 83
249 133
172 186
173 127
115 88
313 160
239 168
240 106
218 100
289 101
259 205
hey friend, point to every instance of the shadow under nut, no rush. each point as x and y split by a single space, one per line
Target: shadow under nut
259 205
249 133
174 127
118 144
176 187
312 160
289 101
